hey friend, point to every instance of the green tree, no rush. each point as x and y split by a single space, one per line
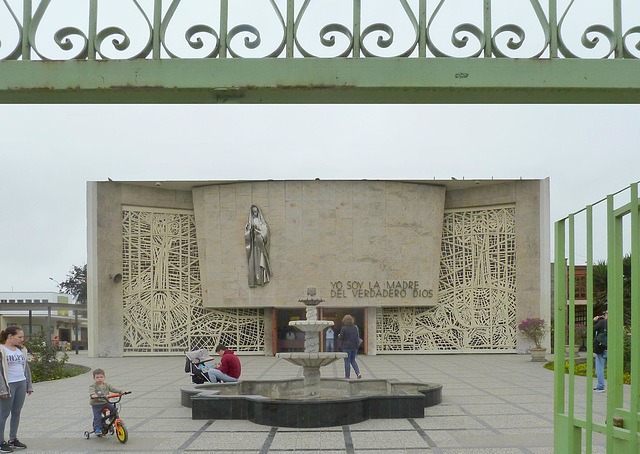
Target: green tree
600 287
76 283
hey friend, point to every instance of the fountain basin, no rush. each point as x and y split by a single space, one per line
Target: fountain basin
319 359
311 326
281 403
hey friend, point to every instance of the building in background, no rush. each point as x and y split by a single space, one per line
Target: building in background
15 310
423 266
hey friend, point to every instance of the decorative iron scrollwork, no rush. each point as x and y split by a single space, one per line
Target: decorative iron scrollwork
15 53
523 35
122 41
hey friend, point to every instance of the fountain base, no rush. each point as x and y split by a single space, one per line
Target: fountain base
281 403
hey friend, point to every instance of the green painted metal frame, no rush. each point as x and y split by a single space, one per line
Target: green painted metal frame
569 429
325 81
284 77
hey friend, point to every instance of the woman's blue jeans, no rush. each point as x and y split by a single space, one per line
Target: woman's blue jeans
601 361
349 361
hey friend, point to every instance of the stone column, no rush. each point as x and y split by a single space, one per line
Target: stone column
311 381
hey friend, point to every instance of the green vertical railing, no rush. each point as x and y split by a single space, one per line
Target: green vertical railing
620 426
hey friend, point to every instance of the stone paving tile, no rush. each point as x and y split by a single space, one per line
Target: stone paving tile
307 440
306 451
236 426
495 409
491 403
449 422
444 410
383 424
514 421
229 441
471 399
476 450
386 440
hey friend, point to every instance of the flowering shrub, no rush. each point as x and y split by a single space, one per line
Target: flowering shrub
580 333
45 365
534 329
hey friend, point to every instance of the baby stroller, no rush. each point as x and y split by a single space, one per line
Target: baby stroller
192 365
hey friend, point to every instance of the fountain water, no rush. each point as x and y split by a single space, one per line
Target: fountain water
312 359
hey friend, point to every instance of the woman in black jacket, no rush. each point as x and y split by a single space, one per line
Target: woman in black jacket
350 340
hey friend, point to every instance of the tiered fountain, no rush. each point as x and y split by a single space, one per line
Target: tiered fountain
312 359
311 401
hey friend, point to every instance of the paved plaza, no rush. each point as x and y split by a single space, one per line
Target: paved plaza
491 404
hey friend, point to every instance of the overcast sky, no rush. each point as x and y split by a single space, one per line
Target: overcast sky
49 152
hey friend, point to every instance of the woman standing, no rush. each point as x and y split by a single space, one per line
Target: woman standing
350 340
15 384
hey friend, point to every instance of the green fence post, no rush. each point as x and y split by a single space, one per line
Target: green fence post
589 414
560 438
574 439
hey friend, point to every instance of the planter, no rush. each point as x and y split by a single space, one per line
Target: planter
538 355
576 350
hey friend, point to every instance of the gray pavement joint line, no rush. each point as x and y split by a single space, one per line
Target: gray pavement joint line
525 450
267 443
497 396
348 442
193 437
432 444
480 421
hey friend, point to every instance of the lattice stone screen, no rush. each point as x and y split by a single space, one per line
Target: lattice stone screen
476 307
162 296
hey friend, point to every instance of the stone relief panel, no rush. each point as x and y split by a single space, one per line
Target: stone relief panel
162 295
476 307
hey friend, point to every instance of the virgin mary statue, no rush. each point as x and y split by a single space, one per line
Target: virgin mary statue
256 240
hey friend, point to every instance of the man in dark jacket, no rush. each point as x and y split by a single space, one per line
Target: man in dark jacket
600 348
228 369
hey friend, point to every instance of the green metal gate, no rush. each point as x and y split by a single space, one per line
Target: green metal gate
621 423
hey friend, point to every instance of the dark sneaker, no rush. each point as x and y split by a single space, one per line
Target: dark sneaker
5 447
598 390
17 444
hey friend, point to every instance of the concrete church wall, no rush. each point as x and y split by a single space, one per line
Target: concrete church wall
357 242
322 232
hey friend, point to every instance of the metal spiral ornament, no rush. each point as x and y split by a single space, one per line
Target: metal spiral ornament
61 37
587 41
327 35
253 41
194 41
122 41
383 41
459 36
16 52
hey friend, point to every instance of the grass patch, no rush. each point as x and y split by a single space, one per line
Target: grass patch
69 370
581 369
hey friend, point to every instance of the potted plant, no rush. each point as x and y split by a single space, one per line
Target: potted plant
580 335
535 329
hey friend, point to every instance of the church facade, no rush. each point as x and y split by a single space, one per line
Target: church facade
434 266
